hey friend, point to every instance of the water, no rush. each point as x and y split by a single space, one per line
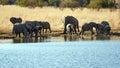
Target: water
82 54
60 52
58 38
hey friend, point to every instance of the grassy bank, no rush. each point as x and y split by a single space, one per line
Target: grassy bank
54 15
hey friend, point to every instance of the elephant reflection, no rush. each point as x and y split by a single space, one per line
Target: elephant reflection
102 37
71 37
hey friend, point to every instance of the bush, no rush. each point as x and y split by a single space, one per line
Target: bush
101 4
55 3
70 3
3 2
31 3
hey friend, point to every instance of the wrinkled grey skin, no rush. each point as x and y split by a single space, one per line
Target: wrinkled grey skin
15 20
100 29
33 26
103 28
88 27
71 20
20 28
70 28
107 27
45 25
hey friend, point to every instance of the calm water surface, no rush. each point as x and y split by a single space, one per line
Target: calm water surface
61 38
60 52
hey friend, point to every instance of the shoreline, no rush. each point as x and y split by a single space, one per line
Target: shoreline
54 33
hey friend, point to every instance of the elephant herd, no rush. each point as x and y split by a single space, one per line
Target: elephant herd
71 25
29 27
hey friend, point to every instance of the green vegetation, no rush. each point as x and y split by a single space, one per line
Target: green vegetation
63 3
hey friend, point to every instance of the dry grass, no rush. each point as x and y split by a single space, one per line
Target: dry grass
54 15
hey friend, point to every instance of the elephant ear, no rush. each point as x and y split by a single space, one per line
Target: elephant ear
12 20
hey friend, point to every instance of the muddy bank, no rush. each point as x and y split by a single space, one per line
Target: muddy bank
54 33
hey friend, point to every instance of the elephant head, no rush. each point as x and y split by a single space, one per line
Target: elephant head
15 20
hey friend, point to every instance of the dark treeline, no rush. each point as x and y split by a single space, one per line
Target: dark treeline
64 3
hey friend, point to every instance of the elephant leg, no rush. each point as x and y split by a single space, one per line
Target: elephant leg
80 32
50 29
36 34
83 32
40 32
65 29
16 34
78 28
19 35
75 29
91 31
45 30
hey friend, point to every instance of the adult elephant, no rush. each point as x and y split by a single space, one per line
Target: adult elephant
71 20
15 20
20 28
88 27
100 29
107 27
27 27
33 26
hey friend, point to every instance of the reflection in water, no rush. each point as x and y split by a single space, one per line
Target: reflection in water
71 37
28 40
103 37
60 38
98 37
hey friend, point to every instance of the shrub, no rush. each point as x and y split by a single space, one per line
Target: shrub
3 2
101 4
70 3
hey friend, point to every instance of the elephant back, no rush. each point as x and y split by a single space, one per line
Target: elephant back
45 25
105 23
71 20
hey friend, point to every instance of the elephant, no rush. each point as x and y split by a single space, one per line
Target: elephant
100 29
45 25
15 20
34 26
88 27
107 27
70 28
70 20
27 27
105 23
20 28
103 28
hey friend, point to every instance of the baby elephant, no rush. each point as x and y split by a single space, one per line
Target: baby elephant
88 27
45 25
